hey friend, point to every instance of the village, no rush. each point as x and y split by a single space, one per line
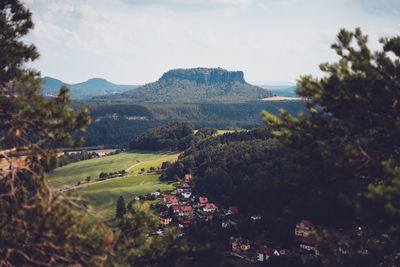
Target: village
181 206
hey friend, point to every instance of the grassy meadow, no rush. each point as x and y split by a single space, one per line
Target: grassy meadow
78 171
102 197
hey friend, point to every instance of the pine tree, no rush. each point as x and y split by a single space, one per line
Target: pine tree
347 152
37 226
121 210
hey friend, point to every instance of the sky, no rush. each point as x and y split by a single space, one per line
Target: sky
136 41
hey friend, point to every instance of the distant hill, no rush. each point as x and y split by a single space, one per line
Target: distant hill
282 90
84 90
194 85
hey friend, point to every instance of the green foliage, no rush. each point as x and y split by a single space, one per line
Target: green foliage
206 132
75 157
136 245
121 210
101 197
173 136
38 228
117 123
248 169
347 151
73 172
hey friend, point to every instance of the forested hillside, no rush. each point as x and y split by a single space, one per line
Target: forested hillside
118 123
194 85
84 90
174 135
249 169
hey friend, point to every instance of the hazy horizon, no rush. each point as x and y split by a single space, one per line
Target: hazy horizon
136 41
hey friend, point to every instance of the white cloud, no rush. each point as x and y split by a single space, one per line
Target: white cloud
137 42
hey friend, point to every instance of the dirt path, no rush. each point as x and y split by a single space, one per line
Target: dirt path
65 189
134 165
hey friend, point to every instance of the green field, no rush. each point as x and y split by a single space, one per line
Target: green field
103 196
153 163
78 171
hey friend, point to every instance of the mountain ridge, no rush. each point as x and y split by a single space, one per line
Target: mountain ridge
194 85
84 90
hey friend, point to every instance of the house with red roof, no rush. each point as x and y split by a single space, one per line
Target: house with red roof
265 253
182 188
210 207
166 220
233 210
186 211
176 208
304 228
203 201
170 200
188 177
186 222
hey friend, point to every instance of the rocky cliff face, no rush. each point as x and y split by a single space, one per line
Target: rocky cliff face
205 76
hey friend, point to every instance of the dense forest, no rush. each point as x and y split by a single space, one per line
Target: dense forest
249 169
174 135
115 124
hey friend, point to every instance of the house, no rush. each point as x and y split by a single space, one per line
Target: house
166 220
255 218
183 188
185 223
188 177
186 194
264 253
209 218
203 201
304 228
170 200
176 208
233 210
228 224
160 232
155 193
210 207
186 211
239 244
309 245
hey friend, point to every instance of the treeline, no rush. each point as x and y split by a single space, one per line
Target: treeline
174 135
67 158
117 123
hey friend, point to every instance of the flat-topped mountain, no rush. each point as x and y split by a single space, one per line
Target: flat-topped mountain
205 75
195 85
84 90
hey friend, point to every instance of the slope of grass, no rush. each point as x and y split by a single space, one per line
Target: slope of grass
153 163
78 171
103 196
